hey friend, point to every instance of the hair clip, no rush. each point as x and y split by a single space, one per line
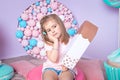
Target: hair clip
44 33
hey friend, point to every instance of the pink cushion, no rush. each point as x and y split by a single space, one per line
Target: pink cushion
92 69
22 67
35 74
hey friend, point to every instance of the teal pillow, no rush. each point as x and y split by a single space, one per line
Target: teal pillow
6 72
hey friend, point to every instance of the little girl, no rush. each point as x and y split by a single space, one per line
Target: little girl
56 43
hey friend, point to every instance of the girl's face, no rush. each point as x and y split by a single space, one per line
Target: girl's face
52 28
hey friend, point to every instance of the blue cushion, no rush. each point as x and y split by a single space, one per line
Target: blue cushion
6 72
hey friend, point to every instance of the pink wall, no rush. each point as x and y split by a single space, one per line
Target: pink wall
105 17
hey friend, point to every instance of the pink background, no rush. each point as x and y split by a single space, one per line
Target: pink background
105 17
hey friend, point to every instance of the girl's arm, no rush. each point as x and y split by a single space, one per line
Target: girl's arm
53 54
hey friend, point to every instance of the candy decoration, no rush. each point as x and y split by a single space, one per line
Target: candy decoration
19 19
27 32
74 22
31 23
44 10
40 44
24 42
62 17
30 47
36 50
49 10
23 24
19 34
37 3
24 16
43 53
35 33
68 25
33 42
39 16
48 1
54 6
71 31
26 48
29 29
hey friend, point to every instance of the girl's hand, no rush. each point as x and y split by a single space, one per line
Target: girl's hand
52 38
64 68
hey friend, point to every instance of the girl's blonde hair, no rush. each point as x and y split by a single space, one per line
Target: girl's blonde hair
64 35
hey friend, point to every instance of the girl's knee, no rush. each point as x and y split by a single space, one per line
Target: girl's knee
66 78
49 78
49 75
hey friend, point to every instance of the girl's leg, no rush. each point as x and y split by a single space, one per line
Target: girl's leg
66 75
49 75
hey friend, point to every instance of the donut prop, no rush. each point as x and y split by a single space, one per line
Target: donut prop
28 30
